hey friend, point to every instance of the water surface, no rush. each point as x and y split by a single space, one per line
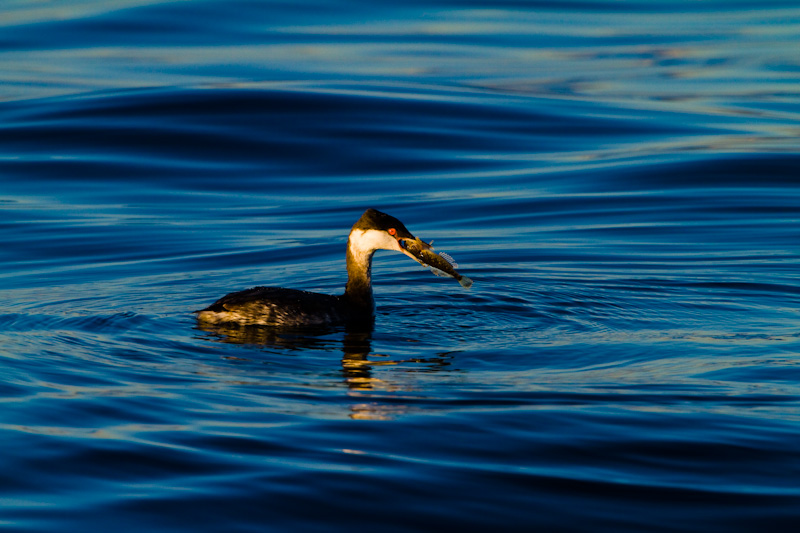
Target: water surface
619 179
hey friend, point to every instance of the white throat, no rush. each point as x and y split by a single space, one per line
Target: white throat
361 247
363 243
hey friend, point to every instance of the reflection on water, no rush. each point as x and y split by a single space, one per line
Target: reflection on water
292 339
358 363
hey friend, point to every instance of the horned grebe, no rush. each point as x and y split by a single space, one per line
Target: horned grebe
272 306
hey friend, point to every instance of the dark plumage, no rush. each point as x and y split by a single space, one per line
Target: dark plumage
270 306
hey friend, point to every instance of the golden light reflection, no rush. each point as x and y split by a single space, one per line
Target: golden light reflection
376 411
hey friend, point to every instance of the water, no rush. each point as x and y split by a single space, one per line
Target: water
619 179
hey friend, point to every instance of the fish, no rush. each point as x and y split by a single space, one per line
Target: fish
440 264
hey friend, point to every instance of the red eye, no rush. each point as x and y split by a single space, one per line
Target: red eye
392 231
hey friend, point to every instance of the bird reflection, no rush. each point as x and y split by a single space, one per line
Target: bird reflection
357 361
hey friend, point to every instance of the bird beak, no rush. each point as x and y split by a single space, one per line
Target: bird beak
413 244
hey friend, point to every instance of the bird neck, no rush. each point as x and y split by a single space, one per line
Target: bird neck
359 275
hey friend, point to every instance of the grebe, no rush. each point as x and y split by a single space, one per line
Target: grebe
272 306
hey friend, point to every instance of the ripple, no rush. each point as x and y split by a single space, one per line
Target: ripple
619 182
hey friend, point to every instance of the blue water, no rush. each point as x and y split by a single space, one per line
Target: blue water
620 179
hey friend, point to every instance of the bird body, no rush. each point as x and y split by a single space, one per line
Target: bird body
273 306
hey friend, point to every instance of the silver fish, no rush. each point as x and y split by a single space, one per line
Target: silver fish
440 264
